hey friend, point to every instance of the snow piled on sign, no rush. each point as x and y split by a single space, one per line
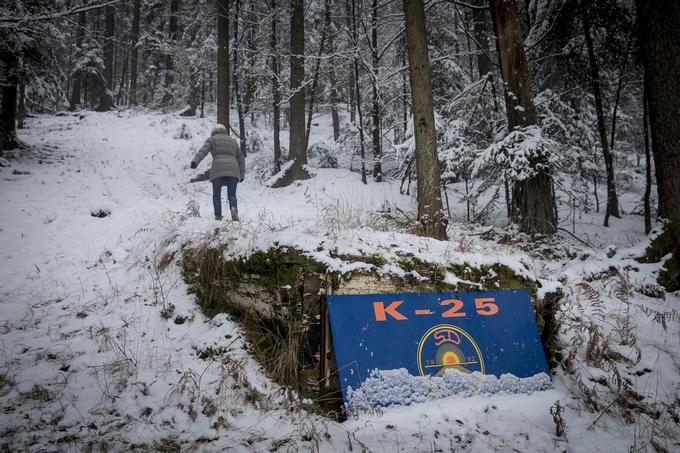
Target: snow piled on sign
388 388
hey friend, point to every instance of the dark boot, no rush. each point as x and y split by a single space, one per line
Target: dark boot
234 214
218 217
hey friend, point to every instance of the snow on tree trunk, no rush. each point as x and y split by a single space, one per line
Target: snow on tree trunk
532 197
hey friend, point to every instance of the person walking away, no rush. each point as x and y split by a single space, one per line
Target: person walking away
228 168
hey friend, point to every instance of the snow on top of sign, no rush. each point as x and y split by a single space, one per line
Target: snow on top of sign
387 388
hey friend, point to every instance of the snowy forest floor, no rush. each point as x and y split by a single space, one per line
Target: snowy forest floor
87 362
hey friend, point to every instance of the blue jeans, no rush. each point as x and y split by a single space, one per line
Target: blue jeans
217 183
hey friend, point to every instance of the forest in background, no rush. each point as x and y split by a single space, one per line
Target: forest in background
534 104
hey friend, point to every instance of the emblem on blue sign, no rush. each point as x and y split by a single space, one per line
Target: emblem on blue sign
433 336
446 347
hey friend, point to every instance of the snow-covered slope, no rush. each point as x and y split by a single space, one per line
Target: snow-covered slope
103 347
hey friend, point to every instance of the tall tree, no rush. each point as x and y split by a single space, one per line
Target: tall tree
357 90
648 164
297 148
481 30
430 209
297 145
223 63
134 52
612 198
169 57
276 88
333 80
317 68
8 90
375 108
658 22
106 98
74 101
237 85
533 201
250 79
351 94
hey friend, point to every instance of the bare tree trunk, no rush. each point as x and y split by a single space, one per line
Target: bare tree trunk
430 209
134 52
106 99
658 21
8 104
203 94
480 19
533 201
612 199
648 164
237 89
21 109
276 90
355 36
317 67
297 148
223 63
74 101
351 99
375 108
471 60
121 86
168 97
334 88
404 92
249 78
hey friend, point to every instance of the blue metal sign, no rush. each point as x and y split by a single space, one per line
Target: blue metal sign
491 332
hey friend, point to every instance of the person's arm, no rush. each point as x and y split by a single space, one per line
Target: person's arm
200 155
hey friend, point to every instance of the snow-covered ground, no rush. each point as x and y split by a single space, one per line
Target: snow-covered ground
87 360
